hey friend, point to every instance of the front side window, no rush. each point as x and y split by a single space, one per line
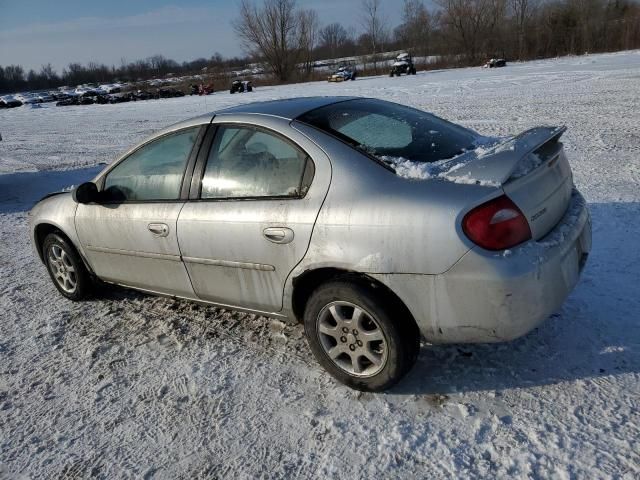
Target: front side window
247 162
385 129
154 171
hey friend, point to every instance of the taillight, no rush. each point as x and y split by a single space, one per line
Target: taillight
496 225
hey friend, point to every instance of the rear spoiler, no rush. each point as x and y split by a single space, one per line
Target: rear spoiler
496 165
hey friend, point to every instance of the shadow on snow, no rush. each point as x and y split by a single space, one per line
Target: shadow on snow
596 332
22 190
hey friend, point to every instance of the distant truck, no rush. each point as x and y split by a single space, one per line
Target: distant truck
403 64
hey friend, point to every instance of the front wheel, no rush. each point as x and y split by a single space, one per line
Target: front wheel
359 337
65 267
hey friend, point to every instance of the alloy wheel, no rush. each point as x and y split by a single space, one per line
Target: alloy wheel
62 268
352 338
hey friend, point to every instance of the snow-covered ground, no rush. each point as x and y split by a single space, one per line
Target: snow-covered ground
128 385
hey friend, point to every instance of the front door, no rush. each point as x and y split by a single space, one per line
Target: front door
252 221
130 237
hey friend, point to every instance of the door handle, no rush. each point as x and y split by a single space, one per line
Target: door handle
278 234
159 229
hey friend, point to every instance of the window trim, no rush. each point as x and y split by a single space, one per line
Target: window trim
203 158
187 172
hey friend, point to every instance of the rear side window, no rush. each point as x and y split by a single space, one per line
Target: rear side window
245 162
154 171
366 130
385 129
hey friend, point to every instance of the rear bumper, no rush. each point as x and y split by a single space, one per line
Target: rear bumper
498 296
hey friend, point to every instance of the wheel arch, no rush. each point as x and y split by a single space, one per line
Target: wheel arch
43 229
309 280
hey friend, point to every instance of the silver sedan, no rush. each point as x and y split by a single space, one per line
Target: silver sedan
373 223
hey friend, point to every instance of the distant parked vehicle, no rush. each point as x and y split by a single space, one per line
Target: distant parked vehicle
65 102
102 99
120 98
9 101
44 97
142 95
201 89
89 90
495 63
241 86
27 98
344 72
403 64
170 93
66 93
111 88
56 95
77 100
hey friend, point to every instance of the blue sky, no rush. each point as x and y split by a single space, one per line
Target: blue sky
35 32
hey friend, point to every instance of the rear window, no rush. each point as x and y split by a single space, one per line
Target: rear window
389 131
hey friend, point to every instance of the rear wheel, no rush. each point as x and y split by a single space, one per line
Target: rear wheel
359 337
66 269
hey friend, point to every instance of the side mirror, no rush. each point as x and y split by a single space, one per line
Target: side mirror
86 193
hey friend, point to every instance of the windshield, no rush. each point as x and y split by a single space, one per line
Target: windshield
389 131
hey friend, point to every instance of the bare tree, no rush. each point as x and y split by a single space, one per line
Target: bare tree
308 27
470 23
14 73
521 11
47 72
332 38
414 31
375 28
270 32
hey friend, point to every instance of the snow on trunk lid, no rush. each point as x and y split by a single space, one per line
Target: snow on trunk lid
531 168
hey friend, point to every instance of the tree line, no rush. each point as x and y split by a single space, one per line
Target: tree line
288 39
457 32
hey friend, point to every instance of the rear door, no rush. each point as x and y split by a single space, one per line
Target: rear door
255 201
130 237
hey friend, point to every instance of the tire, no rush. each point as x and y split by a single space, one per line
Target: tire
66 269
384 332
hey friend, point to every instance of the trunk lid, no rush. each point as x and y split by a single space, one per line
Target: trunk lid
533 171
